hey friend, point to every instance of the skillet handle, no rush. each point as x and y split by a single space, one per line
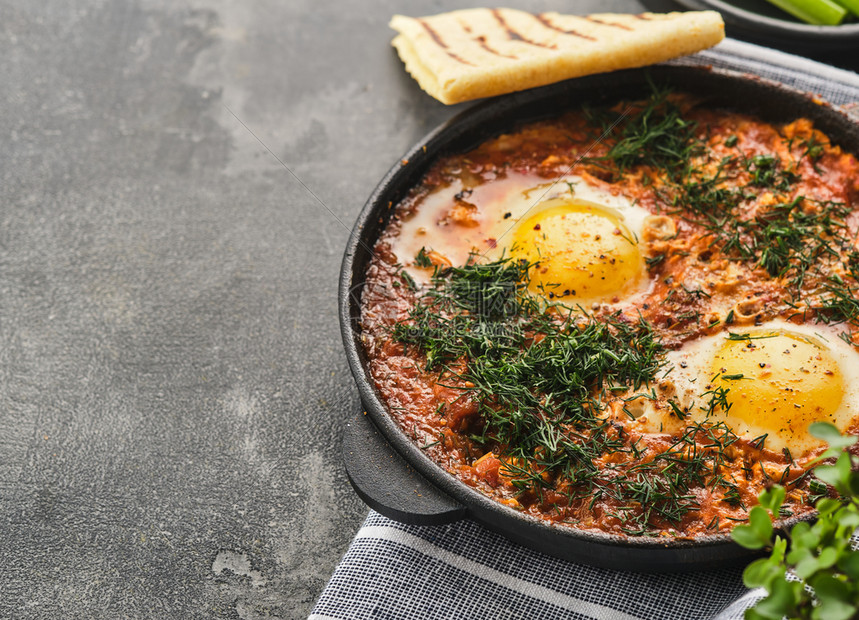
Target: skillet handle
387 483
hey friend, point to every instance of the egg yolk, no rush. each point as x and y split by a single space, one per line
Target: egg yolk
779 382
580 251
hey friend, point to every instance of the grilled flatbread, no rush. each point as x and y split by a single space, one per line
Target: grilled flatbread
475 53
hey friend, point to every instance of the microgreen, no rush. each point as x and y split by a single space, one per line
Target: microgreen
821 555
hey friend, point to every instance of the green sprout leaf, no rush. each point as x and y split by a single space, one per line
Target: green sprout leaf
830 434
834 596
757 534
761 573
849 565
772 498
821 555
781 600
837 475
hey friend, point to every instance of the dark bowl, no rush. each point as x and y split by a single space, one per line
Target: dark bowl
764 99
760 20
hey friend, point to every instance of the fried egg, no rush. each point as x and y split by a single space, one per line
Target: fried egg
581 251
582 241
769 381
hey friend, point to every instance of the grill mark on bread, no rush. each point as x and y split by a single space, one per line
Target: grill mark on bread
481 40
602 23
643 16
440 42
541 17
515 36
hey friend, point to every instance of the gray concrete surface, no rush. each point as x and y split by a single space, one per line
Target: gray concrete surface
172 385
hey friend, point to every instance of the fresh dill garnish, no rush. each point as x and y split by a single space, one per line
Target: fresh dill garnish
422 259
653 261
541 376
676 411
787 239
656 135
838 299
767 171
663 486
734 336
791 238
491 290
813 150
409 281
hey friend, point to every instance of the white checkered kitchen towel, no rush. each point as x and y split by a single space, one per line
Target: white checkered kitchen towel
397 571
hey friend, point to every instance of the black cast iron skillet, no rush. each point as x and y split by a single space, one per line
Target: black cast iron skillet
392 474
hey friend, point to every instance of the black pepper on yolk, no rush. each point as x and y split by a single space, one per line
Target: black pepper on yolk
580 251
781 382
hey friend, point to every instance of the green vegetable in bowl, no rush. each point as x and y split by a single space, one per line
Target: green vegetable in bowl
816 12
850 5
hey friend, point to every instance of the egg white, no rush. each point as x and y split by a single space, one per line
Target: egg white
690 375
500 205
